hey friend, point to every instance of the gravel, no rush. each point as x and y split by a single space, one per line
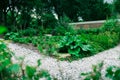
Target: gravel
64 70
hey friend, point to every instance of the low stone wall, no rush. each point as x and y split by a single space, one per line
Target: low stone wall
89 24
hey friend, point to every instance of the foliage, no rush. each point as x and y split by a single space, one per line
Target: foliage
11 36
103 38
86 9
30 71
61 30
2 29
75 45
33 74
95 74
28 32
4 56
63 27
117 5
80 44
113 72
11 71
40 13
49 21
109 25
94 8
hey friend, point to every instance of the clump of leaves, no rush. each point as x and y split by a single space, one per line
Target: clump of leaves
113 72
11 36
95 74
28 32
4 56
75 45
32 73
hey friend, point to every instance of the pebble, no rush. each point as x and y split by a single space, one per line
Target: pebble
64 70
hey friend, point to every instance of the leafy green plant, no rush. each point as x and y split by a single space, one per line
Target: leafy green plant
43 74
10 71
61 30
4 56
95 74
28 32
113 72
75 45
30 71
11 36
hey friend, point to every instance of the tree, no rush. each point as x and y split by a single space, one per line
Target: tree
87 9
94 10
117 5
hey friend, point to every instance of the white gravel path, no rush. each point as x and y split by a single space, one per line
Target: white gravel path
63 70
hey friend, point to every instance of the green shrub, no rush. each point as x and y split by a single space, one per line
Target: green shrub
61 30
28 32
11 36
106 40
75 45
110 25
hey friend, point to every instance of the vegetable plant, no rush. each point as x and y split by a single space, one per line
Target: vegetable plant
113 72
95 74
75 45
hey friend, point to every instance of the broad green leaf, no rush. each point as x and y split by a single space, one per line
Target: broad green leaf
30 71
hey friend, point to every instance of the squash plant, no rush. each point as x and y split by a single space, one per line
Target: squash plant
75 45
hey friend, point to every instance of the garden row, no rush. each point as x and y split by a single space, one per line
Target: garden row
79 44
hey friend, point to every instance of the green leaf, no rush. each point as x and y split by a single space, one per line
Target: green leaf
109 72
30 71
39 62
15 68
86 47
74 51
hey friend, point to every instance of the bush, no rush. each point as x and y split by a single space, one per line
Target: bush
102 41
75 45
11 35
28 32
61 30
